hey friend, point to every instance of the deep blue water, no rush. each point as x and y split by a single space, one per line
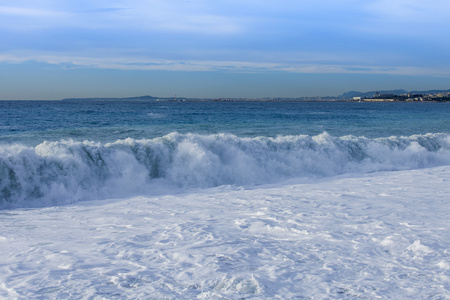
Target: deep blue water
31 122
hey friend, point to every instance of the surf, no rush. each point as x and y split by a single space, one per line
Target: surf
67 171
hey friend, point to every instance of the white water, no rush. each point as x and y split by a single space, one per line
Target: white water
58 173
383 235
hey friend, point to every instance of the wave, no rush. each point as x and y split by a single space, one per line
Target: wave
56 173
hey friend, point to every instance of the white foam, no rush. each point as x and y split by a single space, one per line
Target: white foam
64 172
381 235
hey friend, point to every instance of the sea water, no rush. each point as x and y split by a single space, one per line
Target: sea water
32 122
58 152
213 200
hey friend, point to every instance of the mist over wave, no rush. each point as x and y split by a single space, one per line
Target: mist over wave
56 173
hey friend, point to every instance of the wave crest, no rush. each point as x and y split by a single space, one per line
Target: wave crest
55 173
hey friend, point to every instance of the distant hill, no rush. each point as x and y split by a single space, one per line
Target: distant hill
351 94
139 98
430 92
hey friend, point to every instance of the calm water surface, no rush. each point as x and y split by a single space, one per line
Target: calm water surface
31 122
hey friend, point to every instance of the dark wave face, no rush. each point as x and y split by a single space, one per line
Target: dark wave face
56 173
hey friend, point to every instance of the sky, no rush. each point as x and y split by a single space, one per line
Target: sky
222 48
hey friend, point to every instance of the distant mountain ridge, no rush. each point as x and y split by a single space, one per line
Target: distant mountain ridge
351 94
139 98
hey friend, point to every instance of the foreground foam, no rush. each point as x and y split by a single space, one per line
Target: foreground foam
383 235
55 173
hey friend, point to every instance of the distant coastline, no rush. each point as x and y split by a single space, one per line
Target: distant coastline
352 96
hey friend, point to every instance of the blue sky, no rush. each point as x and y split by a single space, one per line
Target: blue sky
221 48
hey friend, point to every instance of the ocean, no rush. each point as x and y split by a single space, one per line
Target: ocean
194 199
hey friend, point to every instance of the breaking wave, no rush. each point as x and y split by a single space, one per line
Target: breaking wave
55 173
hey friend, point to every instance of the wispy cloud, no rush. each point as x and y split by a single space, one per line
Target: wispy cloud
29 19
152 15
147 64
179 16
25 12
409 10
323 36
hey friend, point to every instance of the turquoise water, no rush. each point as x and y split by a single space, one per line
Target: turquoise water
55 153
31 122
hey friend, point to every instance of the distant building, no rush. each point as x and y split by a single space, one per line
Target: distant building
378 100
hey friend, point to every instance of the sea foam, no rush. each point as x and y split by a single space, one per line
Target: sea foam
55 173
